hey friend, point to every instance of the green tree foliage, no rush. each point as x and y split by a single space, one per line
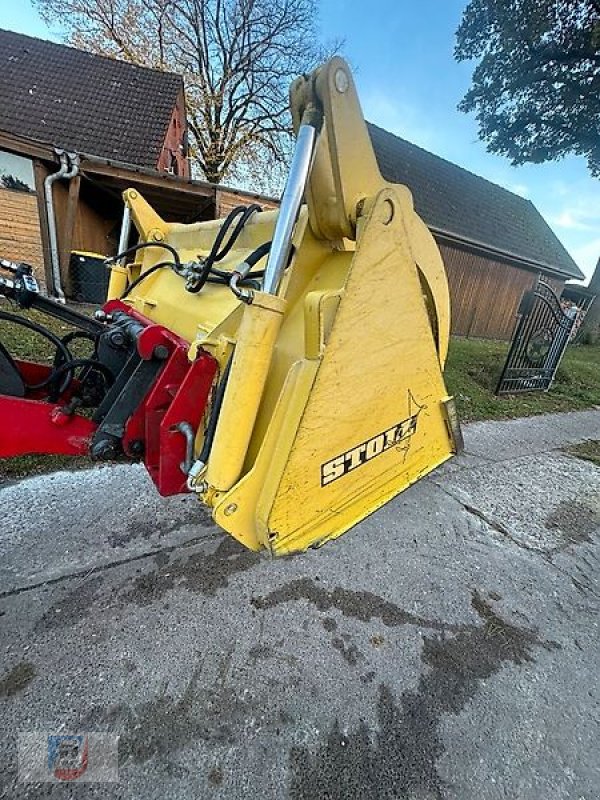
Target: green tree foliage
536 86
14 183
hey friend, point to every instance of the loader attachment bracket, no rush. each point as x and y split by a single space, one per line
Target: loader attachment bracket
286 366
148 399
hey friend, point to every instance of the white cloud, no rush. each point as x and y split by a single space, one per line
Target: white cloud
577 218
587 255
399 117
516 188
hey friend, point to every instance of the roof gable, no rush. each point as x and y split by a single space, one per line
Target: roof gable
454 201
84 102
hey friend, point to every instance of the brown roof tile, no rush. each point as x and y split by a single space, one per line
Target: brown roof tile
455 201
84 102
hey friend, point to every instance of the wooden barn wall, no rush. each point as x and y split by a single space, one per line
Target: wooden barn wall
485 293
20 237
91 231
172 156
227 200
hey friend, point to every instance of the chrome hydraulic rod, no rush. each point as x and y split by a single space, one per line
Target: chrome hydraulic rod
290 207
124 235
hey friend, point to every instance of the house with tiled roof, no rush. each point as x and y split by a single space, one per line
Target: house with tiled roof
494 243
91 104
102 112
92 126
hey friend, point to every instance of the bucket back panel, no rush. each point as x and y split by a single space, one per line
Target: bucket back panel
373 422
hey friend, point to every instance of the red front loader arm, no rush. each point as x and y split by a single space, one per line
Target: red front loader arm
137 397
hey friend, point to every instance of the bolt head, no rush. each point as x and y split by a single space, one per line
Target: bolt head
387 212
161 352
341 80
136 447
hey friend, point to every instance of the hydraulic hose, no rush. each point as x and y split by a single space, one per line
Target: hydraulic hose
78 362
247 212
213 419
242 272
218 251
58 344
142 246
146 274
214 414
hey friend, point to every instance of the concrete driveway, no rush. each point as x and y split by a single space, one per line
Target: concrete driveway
447 647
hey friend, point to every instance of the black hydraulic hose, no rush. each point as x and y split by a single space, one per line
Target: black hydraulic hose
33 326
221 276
69 363
58 344
215 254
253 259
141 246
146 274
256 256
246 214
93 363
214 414
74 336
66 340
69 337
218 251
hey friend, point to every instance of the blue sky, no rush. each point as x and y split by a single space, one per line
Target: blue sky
409 83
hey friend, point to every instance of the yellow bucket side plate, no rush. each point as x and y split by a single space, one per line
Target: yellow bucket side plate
379 381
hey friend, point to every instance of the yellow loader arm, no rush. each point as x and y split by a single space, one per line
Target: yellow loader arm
329 397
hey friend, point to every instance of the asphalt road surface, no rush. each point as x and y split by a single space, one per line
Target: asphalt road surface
447 647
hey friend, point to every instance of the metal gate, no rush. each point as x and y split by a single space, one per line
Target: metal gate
539 341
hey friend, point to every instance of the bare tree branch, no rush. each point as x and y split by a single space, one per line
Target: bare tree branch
237 58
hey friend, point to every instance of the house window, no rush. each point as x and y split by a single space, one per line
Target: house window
174 165
16 172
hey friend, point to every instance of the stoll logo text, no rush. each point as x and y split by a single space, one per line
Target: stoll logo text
340 465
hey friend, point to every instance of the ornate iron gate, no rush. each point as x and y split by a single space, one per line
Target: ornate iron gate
539 341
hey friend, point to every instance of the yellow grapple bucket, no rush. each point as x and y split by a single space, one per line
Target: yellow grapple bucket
330 397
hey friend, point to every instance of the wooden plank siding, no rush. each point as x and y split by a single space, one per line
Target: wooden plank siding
89 230
228 199
20 236
485 293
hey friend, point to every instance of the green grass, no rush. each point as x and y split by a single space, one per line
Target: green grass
588 451
27 345
472 372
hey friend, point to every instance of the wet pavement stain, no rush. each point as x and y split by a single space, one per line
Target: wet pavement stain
204 573
264 652
215 776
400 759
17 679
575 522
361 605
159 728
71 607
261 651
185 515
349 652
